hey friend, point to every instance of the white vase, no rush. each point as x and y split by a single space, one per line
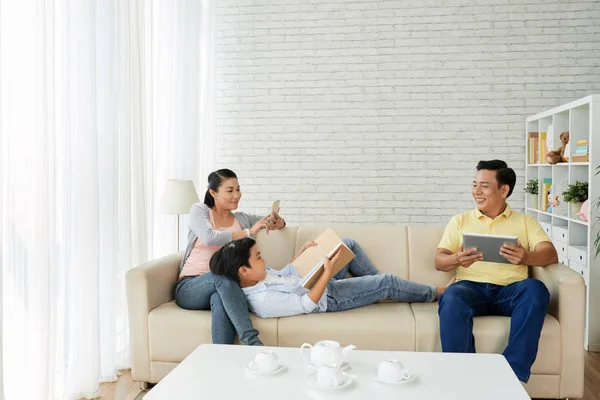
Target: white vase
533 201
575 207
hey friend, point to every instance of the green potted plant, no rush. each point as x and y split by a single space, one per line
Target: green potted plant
532 191
576 193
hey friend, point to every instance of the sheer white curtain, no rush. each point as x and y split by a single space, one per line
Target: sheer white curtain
100 102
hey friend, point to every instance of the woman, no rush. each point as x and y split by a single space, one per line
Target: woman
212 225
273 294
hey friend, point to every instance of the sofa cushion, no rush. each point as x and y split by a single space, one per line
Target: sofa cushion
386 246
383 326
422 246
174 332
491 336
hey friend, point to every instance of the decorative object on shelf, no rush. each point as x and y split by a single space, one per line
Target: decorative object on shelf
584 211
597 205
546 195
532 189
558 186
558 156
576 194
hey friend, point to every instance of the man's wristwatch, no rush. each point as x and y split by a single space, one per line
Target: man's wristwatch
247 232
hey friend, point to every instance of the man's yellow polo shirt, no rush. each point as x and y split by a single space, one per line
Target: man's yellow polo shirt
509 223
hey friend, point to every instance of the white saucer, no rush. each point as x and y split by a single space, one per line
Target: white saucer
375 376
256 372
312 381
345 366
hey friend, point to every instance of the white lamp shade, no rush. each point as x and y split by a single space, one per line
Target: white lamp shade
178 196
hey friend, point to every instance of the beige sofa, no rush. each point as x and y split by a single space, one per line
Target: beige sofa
162 334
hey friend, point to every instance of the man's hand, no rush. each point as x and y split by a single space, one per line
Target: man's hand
329 264
465 258
514 254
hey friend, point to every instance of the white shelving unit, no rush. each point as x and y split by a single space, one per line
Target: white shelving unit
572 237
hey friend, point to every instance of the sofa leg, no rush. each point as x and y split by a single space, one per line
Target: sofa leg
143 385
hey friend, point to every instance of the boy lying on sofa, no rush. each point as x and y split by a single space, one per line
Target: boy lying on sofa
273 293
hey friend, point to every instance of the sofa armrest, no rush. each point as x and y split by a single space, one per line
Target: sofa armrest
567 305
148 286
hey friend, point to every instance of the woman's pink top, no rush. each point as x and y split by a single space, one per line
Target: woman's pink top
198 261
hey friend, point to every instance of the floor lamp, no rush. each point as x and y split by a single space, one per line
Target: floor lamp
177 198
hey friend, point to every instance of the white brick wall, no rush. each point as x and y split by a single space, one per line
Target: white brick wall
378 111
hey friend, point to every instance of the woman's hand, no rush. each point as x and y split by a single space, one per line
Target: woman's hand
260 224
275 221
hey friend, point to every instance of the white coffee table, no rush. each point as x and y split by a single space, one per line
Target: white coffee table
218 372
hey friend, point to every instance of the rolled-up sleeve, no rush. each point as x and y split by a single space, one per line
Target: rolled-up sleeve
272 304
202 228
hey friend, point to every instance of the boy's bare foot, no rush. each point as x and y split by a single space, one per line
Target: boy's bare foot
441 289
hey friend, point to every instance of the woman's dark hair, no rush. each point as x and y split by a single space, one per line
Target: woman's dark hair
504 175
215 179
231 257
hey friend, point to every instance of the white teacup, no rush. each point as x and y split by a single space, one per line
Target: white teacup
392 371
330 376
265 361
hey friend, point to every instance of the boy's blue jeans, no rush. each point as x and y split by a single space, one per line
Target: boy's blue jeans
368 286
525 302
351 293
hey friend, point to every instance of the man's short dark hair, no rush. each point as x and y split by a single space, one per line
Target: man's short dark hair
231 257
504 175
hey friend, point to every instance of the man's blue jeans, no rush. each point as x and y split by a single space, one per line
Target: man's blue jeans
228 304
526 302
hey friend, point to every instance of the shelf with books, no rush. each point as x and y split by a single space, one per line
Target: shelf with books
573 237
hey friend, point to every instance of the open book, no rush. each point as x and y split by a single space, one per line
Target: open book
311 262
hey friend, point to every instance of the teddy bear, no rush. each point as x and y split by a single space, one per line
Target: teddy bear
557 156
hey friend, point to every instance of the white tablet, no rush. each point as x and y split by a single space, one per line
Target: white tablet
489 245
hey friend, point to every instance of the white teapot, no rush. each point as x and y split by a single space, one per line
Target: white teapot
326 352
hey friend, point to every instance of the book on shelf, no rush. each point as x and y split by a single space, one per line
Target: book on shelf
580 158
582 142
533 147
543 148
311 263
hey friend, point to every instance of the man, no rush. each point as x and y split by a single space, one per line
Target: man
486 288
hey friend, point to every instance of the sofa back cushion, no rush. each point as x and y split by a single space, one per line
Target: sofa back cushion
407 251
422 246
278 247
386 246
